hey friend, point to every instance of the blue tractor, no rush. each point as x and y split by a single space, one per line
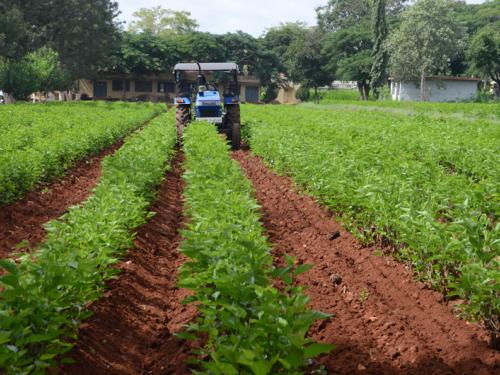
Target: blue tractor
203 101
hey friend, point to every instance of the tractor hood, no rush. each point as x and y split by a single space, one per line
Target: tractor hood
208 98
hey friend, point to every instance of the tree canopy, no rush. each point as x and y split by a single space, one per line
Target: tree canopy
158 20
484 53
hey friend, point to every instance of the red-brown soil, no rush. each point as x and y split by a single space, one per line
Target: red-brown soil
23 220
384 322
131 331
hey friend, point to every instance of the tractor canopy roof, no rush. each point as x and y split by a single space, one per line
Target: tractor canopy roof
193 67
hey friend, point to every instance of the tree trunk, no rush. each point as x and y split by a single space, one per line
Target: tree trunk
366 90
316 99
422 87
360 89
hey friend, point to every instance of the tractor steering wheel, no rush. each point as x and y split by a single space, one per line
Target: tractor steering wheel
212 85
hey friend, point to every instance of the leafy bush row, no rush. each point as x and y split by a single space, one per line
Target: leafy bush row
430 187
45 294
250 326
40 142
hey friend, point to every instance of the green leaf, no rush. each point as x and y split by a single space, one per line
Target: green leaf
316 349
227 369
9 265
302 268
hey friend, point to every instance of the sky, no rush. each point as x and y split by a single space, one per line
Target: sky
221 16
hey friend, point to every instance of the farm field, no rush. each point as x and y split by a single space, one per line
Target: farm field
44 293
349 99
196 258
39 143
429 188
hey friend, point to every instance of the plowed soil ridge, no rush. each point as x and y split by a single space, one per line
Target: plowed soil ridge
131 331
23 220
384 321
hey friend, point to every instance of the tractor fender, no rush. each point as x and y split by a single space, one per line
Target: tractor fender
182 101
230 100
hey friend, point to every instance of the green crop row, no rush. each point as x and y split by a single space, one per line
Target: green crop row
428 187
45 294
40 142
250 326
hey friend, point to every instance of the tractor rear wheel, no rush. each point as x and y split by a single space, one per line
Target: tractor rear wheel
182 118
234 122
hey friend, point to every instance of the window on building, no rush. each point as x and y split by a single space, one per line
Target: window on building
118 85
143 86
166 87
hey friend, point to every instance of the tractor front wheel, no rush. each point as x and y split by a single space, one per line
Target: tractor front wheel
182 118
234 122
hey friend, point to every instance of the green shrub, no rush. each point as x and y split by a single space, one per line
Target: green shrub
303 93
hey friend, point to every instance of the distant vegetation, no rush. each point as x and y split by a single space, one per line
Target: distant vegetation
353 40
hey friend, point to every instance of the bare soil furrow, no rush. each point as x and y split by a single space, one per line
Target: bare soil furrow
131 331
384 321
23 220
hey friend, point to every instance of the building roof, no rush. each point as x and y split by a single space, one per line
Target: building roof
445 78
453 78
193 67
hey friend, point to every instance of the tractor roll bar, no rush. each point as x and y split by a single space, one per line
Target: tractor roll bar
216 67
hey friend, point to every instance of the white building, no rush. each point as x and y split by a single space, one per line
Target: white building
437 89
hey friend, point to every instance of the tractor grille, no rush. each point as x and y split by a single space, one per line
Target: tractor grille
209 112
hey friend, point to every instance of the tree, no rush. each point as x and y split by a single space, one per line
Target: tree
425 41
278 39
474 17
241 48
484 53
37 71
348 54
306 61
14 33
350 41
144 53
379 54
161 21
201 46
49 74
477 16
342 14
251 55
273 67
82 32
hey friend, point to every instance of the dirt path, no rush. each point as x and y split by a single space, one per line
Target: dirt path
384 322
131 329
24 219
